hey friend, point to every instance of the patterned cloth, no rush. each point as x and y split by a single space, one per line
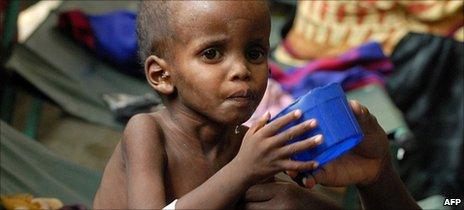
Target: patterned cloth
328 28
366 64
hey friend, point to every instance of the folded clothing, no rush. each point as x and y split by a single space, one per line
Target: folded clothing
328 28
357 67
125 106
111 36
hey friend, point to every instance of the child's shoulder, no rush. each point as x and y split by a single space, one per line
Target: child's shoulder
143 133
146 124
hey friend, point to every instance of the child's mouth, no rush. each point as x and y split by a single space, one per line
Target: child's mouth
241 98
241 101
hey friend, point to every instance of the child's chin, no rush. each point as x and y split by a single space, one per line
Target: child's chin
237 119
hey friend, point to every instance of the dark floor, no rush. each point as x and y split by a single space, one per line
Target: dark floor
84 143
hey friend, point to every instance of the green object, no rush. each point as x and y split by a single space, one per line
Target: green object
26 166
71 94
351 199
33 118
8 100
10 27
68 73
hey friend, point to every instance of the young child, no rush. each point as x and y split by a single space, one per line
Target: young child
208 61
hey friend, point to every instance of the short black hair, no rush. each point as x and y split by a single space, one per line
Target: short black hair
154 29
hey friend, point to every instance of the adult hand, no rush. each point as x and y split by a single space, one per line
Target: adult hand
363 164
285 195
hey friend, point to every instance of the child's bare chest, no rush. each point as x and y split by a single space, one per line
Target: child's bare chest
186 169
184 176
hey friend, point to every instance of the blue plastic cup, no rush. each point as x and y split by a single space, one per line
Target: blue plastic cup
336 122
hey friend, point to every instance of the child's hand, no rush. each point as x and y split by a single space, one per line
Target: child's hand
263 153
363 164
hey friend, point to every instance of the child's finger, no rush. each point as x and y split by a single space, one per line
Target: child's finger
284 137
291 165
260 123
300 146
274 126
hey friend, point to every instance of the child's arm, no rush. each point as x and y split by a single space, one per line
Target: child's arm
262 154
144 154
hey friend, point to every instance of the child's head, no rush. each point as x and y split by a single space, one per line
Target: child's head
207 56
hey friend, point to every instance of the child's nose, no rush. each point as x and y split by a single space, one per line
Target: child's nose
239 71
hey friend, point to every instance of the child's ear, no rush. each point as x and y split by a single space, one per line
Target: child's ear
157 75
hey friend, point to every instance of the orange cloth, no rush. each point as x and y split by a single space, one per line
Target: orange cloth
328 28
27 201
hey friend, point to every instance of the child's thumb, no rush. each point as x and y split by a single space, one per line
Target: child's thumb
261 122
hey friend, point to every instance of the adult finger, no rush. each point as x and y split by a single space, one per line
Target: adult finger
361 112
356 107
291 174
366 120
309 181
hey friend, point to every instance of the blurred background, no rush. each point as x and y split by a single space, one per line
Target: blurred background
70 79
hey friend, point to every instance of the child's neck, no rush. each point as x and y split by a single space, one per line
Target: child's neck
211 136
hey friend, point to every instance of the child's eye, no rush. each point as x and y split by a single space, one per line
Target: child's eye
211 54
255 55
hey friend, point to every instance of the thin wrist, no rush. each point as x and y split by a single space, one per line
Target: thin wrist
239 173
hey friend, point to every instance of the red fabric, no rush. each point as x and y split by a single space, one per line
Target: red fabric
454 29
77 25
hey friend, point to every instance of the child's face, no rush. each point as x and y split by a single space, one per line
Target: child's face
219 63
